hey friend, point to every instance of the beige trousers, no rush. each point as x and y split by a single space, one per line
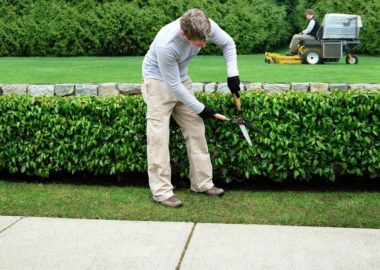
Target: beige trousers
161 105
295 40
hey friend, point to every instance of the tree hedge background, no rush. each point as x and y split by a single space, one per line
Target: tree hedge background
116 27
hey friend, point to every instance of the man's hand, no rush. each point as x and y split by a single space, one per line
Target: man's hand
234 85
207 113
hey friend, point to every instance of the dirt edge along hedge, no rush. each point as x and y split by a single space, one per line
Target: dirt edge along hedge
324 134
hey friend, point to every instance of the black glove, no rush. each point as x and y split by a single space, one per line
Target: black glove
234 85
207 113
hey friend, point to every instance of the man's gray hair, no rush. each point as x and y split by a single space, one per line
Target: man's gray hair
196 25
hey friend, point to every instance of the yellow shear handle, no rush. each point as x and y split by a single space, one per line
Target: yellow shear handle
237 102
224 118
221 117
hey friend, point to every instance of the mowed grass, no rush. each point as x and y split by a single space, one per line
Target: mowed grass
311 208
202 69
287 207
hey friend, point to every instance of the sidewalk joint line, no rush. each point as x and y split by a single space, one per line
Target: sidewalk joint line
186 246
6 228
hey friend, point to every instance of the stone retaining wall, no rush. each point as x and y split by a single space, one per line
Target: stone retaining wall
111 89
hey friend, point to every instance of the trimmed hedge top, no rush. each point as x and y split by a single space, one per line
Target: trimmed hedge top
325 134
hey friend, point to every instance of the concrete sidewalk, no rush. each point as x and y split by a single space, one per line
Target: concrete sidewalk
52 243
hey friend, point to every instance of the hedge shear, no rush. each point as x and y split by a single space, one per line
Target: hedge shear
243 124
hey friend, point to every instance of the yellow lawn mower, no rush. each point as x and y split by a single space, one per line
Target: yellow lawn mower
337 34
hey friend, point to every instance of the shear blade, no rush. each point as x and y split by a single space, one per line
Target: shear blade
245 133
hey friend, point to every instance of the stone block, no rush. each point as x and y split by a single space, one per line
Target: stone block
108 89
223 87
301 87
358 86
19 89
129 89
210 87
339 86
86 89
41 90
276 87
250 86
64 89
197 87
319 87
364 86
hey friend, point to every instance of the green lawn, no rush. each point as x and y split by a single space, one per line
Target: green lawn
202 68
314 208
332 208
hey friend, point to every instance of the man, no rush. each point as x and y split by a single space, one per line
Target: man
167 92
309 33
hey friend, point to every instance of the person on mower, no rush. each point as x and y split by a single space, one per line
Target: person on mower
309 33
167 91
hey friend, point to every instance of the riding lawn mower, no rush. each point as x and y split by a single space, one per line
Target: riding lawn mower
337 34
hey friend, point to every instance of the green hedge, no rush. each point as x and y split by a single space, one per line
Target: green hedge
117 27
305 135
89 27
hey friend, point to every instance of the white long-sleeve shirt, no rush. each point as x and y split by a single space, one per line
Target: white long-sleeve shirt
309 27
170 54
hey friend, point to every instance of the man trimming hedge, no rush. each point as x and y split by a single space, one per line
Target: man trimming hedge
167 92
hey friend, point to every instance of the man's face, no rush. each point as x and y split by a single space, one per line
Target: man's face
197 43
308 16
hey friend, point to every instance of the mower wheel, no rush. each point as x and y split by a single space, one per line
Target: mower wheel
312 57
353 60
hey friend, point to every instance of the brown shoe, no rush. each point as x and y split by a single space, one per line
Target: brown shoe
214 191
172 202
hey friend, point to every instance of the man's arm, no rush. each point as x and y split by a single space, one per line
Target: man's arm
309 27
170 73
227 44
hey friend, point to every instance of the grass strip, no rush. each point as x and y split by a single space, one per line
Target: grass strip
202 68
309 208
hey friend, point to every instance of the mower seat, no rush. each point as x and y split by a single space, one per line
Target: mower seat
312 43
320 32
316 42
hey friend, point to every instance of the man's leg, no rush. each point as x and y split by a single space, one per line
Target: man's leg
160 104
193 130
295 41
